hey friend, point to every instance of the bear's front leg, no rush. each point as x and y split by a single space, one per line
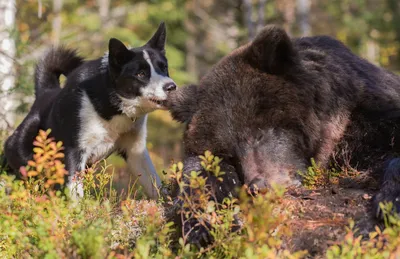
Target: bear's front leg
189 203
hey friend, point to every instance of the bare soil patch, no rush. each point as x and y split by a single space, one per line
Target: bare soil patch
320 216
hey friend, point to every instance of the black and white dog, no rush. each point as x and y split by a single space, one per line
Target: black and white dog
101 109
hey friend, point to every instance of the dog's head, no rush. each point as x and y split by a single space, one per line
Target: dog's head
140 75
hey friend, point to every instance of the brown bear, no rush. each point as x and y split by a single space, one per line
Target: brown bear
273 104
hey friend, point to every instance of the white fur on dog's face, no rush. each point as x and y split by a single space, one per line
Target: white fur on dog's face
151 93
155 87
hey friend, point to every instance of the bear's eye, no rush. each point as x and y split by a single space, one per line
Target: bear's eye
259 137
141 74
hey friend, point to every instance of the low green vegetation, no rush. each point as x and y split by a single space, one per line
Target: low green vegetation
37 220
318 176
379 244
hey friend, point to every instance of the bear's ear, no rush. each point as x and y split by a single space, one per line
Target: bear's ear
272 51
159 38
183 103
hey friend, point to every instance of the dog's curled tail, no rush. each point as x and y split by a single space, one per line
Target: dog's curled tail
57 61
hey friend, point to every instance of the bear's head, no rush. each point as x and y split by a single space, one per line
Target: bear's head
253 110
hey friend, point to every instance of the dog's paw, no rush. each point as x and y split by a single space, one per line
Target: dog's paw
388 193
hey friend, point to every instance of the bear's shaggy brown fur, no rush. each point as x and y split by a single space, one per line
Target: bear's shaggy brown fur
275 103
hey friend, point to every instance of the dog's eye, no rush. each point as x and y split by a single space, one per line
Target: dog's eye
164 68
141 74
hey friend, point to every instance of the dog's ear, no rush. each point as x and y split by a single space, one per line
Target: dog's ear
272 51
159 38
118 53
183 103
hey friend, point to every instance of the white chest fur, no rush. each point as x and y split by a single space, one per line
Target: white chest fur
97 137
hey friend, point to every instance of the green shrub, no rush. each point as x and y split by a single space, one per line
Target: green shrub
39 221
318 176
264 222
379 244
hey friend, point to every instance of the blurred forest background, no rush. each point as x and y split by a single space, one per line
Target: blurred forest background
199 33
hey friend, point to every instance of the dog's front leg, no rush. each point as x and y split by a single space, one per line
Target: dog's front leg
141 167
74 162
139 164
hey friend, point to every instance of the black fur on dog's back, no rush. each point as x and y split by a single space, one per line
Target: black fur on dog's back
57 61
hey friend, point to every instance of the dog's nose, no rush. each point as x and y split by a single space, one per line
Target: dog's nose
169 87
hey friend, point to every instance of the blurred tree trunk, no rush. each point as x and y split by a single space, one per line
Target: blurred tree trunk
104 11
191 59
213 31
7 54
248 18
261 14
288 9
372 51
394 6
253 27
303 11
56 26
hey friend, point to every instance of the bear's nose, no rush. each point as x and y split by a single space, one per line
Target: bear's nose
169 87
